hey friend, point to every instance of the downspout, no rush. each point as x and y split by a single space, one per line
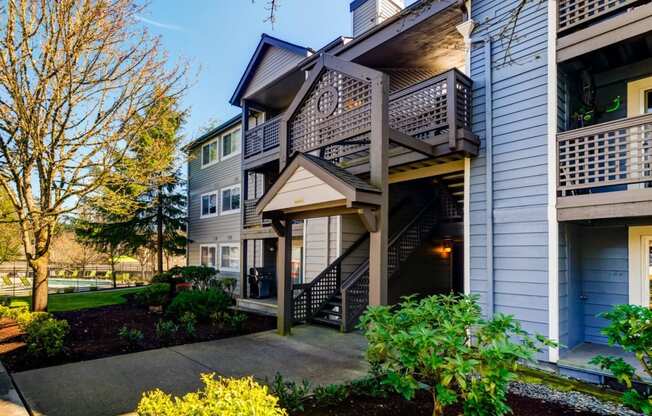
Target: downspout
489 166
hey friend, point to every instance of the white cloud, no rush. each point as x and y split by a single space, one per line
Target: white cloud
158 24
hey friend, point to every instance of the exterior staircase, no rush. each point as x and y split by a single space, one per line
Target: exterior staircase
338 301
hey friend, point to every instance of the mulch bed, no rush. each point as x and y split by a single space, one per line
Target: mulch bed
395 405
94 334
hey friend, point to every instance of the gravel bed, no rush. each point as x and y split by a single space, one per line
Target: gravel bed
576 400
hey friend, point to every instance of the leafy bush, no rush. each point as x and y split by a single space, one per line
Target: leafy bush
201 277
189 322
153 295
219 397
236 320
24 318
428 342
332 394
200 303
630 327
291 395
166 330
44 336
133 336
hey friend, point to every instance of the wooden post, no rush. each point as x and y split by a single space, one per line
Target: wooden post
244 196
284 279
378 164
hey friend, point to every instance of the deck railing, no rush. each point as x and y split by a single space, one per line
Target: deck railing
613 153
576 12
262 138
251 219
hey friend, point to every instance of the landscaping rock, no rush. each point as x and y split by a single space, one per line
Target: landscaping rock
573 399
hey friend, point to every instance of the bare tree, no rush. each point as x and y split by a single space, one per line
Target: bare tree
77 78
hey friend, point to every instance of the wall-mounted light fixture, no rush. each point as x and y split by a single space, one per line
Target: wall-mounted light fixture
445 249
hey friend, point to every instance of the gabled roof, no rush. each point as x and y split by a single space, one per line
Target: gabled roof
350 187
266 41
232 122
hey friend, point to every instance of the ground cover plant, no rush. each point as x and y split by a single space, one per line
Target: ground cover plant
442 343
630 327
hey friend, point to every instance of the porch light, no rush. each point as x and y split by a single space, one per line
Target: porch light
445 249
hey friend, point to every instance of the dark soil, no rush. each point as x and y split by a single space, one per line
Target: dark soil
395 405
94 334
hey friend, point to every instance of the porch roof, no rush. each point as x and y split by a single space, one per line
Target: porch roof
309 183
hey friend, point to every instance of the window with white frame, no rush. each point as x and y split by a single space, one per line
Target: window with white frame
209 204
208 255
230 198
209 153
229 257
231 144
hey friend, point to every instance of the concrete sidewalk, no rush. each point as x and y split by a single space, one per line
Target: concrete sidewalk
114 385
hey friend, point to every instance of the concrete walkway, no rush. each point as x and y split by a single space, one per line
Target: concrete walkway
114 385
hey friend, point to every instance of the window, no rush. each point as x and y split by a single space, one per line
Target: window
209 204
230 199
208 255
209 154
231 144
229 257
648 101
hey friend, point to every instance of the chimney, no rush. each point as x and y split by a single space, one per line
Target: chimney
366 14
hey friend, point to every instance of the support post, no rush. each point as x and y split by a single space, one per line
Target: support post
244 293
378 164
245 195
284 279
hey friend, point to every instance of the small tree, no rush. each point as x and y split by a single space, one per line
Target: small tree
443 342
630 327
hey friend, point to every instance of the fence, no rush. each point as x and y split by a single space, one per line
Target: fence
16 278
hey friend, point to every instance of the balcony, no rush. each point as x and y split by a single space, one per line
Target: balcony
588 25
261 142
605 171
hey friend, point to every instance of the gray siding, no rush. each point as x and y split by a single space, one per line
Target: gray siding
352 230
320 245
274 63
218 229
364 17
520 253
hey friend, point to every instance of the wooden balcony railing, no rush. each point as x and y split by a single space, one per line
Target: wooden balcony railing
576 12
250 218
262 138
614 153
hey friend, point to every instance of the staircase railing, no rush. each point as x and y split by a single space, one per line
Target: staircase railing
355 290
308 298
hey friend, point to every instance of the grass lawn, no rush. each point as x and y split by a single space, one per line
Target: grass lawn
84 300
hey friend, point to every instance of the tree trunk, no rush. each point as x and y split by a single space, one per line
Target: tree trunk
39 267
159 230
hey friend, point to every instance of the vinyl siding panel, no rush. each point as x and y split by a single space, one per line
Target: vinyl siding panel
274 63
217 229
520 180
364 17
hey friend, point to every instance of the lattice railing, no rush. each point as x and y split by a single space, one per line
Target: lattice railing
251 219
614 153
308 298
336 115
576 12
355 290
262 138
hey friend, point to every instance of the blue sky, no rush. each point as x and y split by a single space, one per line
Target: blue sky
220 35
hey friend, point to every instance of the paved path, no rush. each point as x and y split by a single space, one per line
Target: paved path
113 386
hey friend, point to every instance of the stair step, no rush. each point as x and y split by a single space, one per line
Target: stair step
326 321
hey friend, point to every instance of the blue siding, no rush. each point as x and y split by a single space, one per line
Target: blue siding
520 196
604 275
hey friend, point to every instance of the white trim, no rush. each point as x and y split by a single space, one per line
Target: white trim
212 245
219 258
239 148
230 211
553 225
201 153
639 287
217 204
467 225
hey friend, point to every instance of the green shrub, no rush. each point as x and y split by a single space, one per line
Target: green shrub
132 336
291 395
236 320
189 322
630 327
24 318
44 336
332 394
428 343
166 330
200 303
219 397
153 295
